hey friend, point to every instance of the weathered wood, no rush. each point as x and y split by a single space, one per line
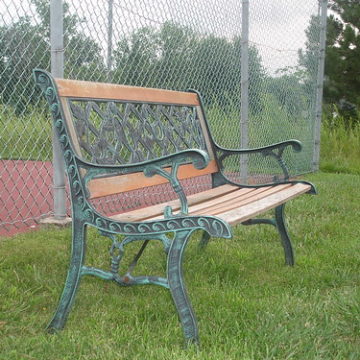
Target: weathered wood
255 208
202 207
235 197
158 210
93 90
223 202
105 186
240 200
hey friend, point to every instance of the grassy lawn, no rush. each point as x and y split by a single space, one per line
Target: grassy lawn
249 304
340 147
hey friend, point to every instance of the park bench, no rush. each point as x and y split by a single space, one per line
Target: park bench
156 145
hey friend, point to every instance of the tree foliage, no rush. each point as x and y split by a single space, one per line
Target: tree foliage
342 66
342 57
22 48
25 45
169 56
177 57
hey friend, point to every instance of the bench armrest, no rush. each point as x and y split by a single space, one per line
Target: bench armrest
275 151
295 144
199 158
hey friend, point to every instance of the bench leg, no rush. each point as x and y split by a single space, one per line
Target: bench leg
204 240
73 278
177 286
285 239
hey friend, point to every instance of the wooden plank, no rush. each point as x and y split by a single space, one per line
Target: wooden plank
158 209
121 183
226 201
234 197
255 208
86 89
259 201
240 200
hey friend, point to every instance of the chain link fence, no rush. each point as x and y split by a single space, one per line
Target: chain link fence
259 75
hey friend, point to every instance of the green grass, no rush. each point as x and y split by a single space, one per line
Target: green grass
25 137
340 147
248 303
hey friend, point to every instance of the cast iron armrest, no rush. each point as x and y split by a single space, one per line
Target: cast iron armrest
199 158
296 145
275 150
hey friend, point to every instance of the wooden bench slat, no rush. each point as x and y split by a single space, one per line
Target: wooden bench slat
214 202
250 210
202 207
239 195
105 186
228 202
93 90
157 210
241 200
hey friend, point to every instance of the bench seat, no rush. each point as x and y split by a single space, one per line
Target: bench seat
228 202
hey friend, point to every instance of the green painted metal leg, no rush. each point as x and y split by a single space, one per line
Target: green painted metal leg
204 240
177 287
285 239
73 278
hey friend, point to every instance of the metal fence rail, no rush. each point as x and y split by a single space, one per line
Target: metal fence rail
258 65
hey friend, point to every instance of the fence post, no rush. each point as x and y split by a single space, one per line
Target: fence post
57 70
244 135
109 39
319 87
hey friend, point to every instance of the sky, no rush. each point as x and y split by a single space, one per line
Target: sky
277 28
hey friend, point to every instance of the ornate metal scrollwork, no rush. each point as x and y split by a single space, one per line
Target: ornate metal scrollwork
127 133
175 183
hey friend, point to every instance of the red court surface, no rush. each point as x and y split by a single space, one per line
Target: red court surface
25 193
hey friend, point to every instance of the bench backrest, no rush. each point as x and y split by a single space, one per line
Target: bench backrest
115 124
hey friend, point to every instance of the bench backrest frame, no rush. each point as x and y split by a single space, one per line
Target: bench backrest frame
74 90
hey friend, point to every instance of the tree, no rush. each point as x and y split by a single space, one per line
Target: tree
25 45
177 57
309 59
135 57
290 91
342 66
83 58
22 48
342 57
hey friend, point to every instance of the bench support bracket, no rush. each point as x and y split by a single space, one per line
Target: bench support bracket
285 239
73 277
279 223
177 286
